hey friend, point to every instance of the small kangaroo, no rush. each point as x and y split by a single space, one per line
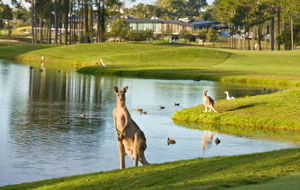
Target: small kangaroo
208 102
131 139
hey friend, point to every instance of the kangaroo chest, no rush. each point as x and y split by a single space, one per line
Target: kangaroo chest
121 116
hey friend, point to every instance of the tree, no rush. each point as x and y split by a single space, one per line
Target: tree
185 34
285 37
148 33
7 14
172 9
119 29
195 6
168 32
291 10
202 35
211 35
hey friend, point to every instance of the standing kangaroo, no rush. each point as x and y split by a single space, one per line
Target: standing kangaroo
208 102
131 139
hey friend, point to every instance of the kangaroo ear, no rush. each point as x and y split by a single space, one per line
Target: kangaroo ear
116 89
125 89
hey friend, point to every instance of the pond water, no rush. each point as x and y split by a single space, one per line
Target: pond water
42 135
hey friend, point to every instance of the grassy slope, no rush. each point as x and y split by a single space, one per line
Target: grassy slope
211 173
168 61
279 111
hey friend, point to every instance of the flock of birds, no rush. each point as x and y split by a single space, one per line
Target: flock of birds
205 139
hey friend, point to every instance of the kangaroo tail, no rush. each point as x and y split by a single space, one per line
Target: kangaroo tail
214 109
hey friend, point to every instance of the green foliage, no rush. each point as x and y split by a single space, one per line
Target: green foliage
119 29
21 13
202 34
148 33
186 35
211 35
285 36
136 35
7 12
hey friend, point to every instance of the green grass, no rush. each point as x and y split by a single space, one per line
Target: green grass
278 111
288 182
209 173
170 61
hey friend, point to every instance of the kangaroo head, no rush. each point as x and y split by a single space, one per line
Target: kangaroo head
204 92
121 93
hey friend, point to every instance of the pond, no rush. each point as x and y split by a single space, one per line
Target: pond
42 135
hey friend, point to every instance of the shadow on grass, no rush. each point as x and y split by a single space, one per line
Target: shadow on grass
12 51
245 106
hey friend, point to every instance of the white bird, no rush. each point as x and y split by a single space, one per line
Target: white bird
228 97
102 63
42 58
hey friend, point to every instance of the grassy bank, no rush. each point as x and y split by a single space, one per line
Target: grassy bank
169 61
211 173
278 111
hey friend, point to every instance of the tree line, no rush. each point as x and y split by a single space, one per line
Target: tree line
251 23
273 19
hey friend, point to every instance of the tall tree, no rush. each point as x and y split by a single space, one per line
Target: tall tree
291 11
7 14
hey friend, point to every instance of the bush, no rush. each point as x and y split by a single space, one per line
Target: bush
211 35
135 35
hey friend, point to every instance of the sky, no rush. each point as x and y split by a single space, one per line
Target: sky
128 3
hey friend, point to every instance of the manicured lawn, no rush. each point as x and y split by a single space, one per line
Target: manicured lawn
169 61
288 183
211 173
278 111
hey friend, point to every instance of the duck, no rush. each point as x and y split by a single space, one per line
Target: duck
217 141
171 141
139 110
161 107
228 97
196 79
82 115
176 104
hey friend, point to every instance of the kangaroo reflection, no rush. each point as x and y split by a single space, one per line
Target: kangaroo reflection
206 139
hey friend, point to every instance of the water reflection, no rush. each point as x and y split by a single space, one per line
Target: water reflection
43 136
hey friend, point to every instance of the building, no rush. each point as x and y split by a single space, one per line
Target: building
160 25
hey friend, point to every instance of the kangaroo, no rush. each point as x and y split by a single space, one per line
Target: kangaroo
208 102
131 139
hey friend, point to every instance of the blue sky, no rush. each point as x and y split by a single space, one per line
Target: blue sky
128 2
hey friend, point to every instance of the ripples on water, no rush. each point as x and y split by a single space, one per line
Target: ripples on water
42 135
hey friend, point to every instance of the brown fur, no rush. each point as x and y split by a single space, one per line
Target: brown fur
208 102
131 139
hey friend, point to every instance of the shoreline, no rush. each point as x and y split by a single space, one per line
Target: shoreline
182 167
